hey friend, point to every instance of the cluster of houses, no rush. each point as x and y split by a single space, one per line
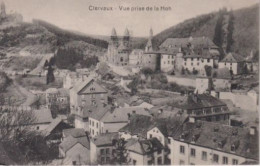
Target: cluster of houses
192 129
175 54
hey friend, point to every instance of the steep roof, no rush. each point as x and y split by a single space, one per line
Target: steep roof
105 139
220 137
74 132
146 146
42 116
113 33
126 33
139 125
122 114
233 57
100 112
197 101
70 141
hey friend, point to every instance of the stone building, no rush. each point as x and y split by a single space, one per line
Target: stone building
119 49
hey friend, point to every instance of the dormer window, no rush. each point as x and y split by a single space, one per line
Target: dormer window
234 146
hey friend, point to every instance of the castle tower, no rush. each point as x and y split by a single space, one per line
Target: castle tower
149 45
3 13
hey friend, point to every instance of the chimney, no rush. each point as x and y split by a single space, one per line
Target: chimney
252 130
191 119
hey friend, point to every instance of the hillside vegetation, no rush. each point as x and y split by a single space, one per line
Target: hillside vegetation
245 35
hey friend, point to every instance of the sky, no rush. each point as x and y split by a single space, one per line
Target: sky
76 14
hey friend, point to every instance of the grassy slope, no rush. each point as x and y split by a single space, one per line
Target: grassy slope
246 33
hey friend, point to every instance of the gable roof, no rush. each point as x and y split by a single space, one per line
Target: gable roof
99 112
233 58
70 141
105 139
42 116
210 135
146 146
74 132
122 114
79 86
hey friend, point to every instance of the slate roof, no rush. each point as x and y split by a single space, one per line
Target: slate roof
74 132
145 147
105 139
219 137
100 112
82 84
197 42
70 141
233 57
42 116
122 114
139 125
203 101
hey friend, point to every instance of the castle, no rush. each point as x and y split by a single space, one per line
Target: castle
119 48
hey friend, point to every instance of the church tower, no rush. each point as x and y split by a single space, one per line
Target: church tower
114 38
149 45
126 38
3 13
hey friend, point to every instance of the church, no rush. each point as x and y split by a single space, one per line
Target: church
119 48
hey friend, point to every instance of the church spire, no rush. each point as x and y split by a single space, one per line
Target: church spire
113 32
3 13
151 33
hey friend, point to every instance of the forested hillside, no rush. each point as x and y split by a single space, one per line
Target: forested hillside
245 34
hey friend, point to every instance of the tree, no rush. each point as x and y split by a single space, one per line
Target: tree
133 85
208 70
46 64
230 28
147 71
50 76
103 68
119 155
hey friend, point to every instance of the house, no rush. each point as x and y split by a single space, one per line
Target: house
112 120
137 127
202 107
188 53
233 62
102 148
72 78
75 151
136 57
145 152
74 132
43 119
208 143
57 97
53 133
87 93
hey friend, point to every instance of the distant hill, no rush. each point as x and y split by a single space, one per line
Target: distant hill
246 29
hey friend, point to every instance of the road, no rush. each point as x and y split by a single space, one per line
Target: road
30 98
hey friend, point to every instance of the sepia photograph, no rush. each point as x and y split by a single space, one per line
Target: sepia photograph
129 82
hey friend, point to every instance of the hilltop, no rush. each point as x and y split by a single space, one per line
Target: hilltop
246 29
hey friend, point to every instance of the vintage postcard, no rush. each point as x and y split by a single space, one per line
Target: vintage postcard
129 82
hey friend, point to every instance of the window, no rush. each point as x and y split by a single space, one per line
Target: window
37 128
191 64
225 160
169 140
150 162
198 59
107 150
185 59
102 151
168 56
159 161
168 62
107 159
198 64
151 135
182 149
192 152
97 125
92 123
185 64
191 59
159 151
181 162
102 160
208 60
235 162
92 132
74 163
134 162
215 158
